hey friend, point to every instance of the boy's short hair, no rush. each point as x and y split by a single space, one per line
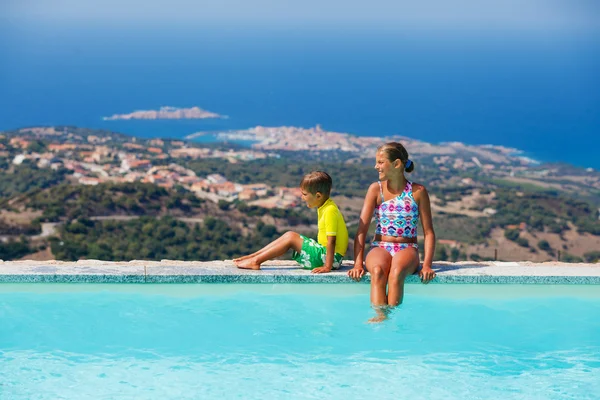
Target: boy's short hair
317 181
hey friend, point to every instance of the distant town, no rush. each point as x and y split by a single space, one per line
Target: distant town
92 162
291 138
94 159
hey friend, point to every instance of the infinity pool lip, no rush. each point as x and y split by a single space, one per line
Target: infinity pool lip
168 271
334 290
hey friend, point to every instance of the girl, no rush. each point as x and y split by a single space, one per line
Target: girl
397 204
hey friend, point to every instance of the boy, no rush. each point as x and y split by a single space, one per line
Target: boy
319 256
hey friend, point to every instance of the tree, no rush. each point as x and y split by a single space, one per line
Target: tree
511 234
592 256
454 254
441 253
544 245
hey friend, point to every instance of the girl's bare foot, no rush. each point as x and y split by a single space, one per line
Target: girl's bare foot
247 263
377 319
381 312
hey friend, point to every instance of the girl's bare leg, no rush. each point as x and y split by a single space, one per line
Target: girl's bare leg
379 264
404 263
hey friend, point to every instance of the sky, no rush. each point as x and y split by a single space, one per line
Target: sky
544 16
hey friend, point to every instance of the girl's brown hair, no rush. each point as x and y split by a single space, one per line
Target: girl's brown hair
396 151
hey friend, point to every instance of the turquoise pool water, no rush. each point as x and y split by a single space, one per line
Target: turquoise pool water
297 341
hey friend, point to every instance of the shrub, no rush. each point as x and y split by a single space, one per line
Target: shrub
592 256
522 242
511 234
544 245
570 258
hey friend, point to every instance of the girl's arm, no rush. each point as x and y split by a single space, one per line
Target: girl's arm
422 199
366 215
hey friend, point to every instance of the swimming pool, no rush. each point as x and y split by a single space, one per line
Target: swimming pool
298 341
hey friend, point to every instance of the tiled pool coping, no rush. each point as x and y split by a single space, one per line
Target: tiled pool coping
167 271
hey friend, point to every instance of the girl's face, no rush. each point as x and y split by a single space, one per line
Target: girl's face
384 166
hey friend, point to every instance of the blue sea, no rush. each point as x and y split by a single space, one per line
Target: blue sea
536 92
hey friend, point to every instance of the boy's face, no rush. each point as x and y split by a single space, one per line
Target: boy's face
311 200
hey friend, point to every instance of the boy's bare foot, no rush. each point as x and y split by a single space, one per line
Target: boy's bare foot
247 264
247 256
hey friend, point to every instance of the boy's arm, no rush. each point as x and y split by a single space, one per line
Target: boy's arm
328 257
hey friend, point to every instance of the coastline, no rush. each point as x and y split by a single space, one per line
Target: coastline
220 130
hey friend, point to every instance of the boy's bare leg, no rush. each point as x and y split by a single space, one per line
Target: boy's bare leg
267 247
404 263
290 240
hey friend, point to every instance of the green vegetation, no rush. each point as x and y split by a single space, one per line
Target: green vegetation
74 201
25 178
151 238
477 257
539 208
461 228
34 228
525 187
570 258
592 256
14 249
443 254
512 234
544 211
26 186
544 245
292 216
350 179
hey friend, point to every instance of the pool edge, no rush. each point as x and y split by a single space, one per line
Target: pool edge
169 271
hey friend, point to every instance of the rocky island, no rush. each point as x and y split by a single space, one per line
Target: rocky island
167 113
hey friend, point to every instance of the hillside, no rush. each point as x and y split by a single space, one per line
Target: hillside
85 187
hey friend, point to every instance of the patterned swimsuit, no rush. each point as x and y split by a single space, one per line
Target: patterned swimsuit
397 217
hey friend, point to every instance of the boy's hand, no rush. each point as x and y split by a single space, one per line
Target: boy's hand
321 270
356 273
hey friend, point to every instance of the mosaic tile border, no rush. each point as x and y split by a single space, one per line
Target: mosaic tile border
167 271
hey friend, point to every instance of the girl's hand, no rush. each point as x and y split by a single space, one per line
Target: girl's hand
356 273
426 274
